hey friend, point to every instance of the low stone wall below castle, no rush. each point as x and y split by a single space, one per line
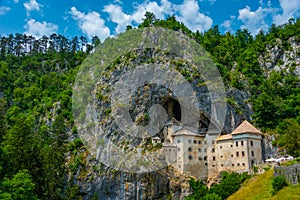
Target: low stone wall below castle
291 173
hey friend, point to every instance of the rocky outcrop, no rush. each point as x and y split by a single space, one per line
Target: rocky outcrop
281 56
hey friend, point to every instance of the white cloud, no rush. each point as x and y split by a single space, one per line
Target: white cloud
290 9
122 19
91 23
16 1
118 16
4 10
38 29
190 15
31 6
254 20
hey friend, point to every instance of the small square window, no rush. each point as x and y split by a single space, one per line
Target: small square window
242 143
190 149
178 149
190 157
243 164
243 153
213 165
238 164
205 164
237 153
190 141
221 156
231 155
199 141
231 146
232 165
214 158
195 141
252 153
251 143
220 147
213 150
221 165
199 150
178 141
205 157
237 144
200 158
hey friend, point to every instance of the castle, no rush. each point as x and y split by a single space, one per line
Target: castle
205 155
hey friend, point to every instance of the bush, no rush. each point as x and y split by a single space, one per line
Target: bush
278 183
212 196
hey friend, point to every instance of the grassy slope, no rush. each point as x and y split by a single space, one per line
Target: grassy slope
260 187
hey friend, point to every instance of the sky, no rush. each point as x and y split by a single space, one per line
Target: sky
108 18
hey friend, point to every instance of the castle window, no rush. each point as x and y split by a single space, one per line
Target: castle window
200 158
213 142
251 143
242 143
243 153
221 156
190 149
199 150
195 141
190 157
205 164
178 141
232 165
214 158
199 141
213 165
231 146
213 150
221 165
205 157
205 142
220 147
231 155
237 144
252 153
204 149
243 164
169 149
237 153
178 149
238 164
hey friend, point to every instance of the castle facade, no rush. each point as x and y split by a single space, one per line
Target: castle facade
205 156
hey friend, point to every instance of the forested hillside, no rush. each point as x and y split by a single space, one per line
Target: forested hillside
37 129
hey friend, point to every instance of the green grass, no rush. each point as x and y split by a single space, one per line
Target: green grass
260 187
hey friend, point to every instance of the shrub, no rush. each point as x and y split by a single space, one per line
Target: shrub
278 183
212 196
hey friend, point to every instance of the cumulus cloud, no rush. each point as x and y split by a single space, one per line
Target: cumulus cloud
31 6
4 10
290 9
38 29
118 16
16 1
254 20
91 23
190 15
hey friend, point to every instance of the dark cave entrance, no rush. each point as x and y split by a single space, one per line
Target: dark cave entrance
173 108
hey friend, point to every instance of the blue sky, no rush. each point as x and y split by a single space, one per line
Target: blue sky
107 18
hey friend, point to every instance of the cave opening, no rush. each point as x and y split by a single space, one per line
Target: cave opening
173 108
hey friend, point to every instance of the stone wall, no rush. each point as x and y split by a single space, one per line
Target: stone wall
291 173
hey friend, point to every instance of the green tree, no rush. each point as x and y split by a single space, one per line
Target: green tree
20 187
